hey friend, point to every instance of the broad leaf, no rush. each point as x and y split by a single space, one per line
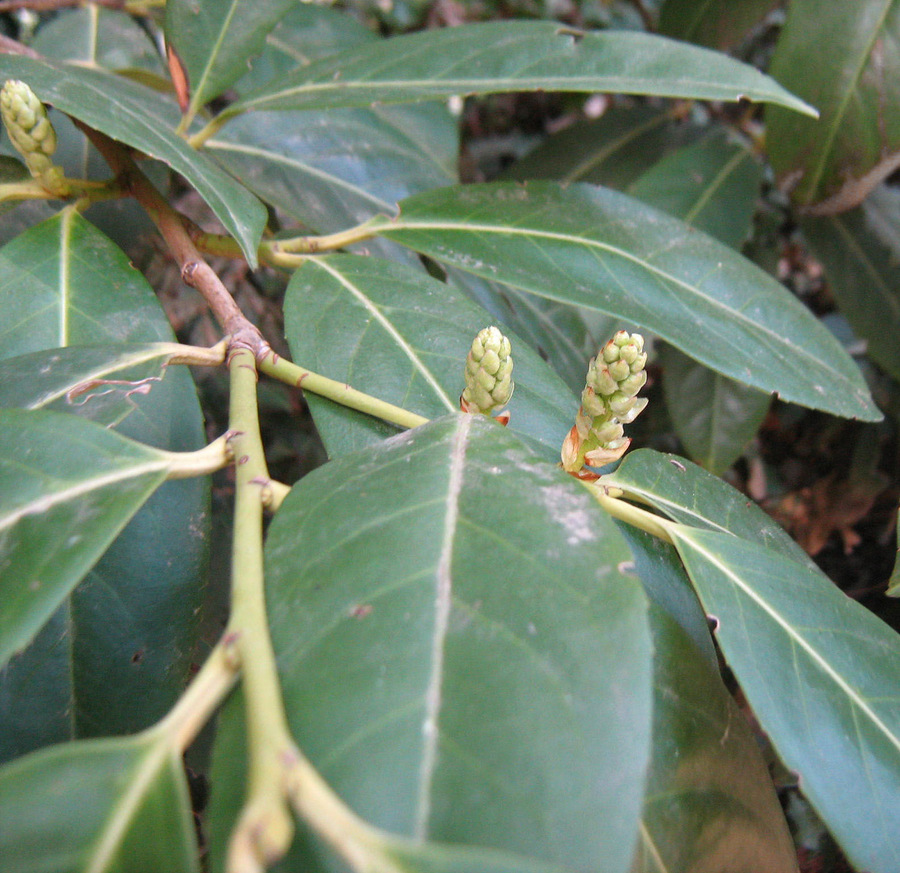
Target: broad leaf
600 249
514 56
822 674
709 794
141 118
215 40
451 687
129 631
105 806
836 161
714 23
95 382
613 150
404 337
712 185
69 487
864 277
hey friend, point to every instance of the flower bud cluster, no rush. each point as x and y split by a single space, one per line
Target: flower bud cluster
609 401
489 366
31 132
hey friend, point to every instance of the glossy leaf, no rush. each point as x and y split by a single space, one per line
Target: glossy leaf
129 630
402 336
69 487
712 185
714 23
836 161
689 495
105 806
514 56
864 277
822 674
596 248
709 799
450 686
95 382
216 39
139 117
613 150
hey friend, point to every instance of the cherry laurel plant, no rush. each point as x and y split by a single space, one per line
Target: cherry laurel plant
459 647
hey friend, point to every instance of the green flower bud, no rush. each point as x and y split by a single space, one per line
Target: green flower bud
31 133
608 402
488 373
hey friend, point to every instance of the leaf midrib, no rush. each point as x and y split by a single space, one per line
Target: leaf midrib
682 532
386 227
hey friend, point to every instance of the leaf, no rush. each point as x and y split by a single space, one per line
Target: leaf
715 23
821 673
331 170
468 665
98 805
714 417
95 382
835 162
141 118
603 250
514 56
404 337
613 150
864 278
712 185
709 798
69 487
689 495
98 37
215 40
129 631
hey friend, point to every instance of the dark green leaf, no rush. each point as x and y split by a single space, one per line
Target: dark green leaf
103 806
469 664
864 277
99 37
714 23
403 336
836 161
822 674
709 795
130 630
215 40
603 250
143 119
69 487
714 417
96 382
614 150
514 56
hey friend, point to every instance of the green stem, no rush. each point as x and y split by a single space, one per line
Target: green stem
210 130
635 516
265 828
311 245
186 465
206 691
283 370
